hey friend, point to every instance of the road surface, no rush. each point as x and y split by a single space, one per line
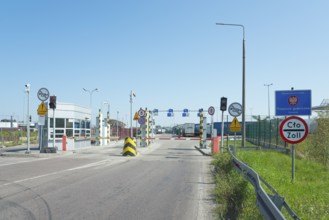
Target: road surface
169 180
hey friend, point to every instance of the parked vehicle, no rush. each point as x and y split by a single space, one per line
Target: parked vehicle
188 130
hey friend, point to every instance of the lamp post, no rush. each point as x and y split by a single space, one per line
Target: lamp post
27 90
108 109
131 112
90 105
106 123
117 124
243 82
268 98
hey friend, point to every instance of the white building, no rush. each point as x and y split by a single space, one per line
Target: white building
70 120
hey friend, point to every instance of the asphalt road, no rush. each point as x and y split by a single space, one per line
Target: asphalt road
169 180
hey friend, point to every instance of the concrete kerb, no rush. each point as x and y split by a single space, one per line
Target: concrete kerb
204 151
37 154
24 153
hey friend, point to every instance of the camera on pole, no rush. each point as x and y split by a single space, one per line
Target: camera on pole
223 104
52 102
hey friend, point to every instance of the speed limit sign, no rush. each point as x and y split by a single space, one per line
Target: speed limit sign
211 110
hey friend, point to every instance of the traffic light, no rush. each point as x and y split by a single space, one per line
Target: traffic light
223 104
52 102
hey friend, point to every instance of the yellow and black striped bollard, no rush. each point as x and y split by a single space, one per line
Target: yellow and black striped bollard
129 148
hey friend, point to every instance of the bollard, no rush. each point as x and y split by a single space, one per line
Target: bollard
64 143
215 145
129 148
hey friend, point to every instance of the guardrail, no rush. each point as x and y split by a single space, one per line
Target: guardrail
269 205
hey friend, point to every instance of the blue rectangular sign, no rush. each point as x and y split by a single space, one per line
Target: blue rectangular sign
293 102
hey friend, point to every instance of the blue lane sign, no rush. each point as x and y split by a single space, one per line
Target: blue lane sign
142 120
185 110
155 112
293 102
185 114
170 110
170 114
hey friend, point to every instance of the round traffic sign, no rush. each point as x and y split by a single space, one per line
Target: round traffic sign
142 120
43 94
141 113
235 109
293 129
211 110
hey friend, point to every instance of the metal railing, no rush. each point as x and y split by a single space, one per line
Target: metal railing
269 205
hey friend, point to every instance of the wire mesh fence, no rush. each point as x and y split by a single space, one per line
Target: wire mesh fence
265 133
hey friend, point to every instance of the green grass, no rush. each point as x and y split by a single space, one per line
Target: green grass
307 195
234 195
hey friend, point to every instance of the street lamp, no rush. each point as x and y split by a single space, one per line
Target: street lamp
268 98
108 109
243 82
90 104
117 124
27 90
131 112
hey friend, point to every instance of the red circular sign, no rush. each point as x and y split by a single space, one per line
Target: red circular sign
211 110
293 129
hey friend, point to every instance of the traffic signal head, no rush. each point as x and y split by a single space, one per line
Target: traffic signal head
223 104
52 102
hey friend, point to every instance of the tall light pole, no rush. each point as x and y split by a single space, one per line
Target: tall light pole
27 90
243 82
108 108
131 112
90 105
117 124
268 98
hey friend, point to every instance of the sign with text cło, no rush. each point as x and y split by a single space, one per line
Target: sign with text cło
293 102
293 129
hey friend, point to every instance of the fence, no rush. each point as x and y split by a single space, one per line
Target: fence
265 133
14 136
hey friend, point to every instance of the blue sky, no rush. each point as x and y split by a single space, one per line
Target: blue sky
170 52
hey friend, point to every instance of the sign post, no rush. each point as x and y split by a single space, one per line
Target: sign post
293 130
211 111
235 110
43 95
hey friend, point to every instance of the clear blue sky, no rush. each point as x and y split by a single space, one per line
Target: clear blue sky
170 52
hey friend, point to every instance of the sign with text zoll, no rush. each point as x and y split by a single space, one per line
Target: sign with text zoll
293 102
293 129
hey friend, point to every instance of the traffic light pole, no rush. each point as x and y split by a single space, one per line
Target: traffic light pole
222 135
223 108
54 125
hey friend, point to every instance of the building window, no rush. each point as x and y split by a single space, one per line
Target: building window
69 132
60 123
69 123
76 123
87 124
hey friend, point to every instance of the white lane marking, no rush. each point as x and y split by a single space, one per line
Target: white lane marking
98 163
25 161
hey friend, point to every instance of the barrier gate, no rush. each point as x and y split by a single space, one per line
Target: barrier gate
146 122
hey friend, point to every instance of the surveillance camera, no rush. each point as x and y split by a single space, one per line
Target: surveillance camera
27 85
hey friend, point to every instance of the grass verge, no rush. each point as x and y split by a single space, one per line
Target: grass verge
307 195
